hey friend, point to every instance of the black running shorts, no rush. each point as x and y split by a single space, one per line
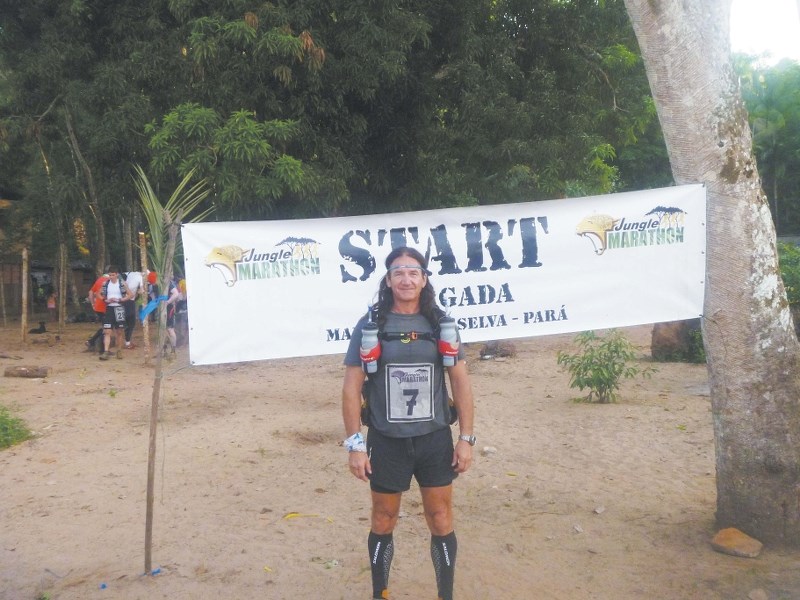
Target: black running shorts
114 317
429 458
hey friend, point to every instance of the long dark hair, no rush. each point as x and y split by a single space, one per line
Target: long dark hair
427 300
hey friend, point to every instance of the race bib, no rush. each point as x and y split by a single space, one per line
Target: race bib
409 393
119 314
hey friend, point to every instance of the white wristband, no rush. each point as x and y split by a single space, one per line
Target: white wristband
355 443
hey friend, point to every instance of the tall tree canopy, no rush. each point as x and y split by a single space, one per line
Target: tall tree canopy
316 107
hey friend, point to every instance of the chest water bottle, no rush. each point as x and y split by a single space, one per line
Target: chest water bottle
370 347
448 341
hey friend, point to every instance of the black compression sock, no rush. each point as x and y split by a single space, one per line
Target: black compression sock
381 551
443 554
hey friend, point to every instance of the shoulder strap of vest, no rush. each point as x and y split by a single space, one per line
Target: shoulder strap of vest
409 336
123 287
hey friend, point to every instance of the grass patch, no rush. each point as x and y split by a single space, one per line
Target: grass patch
12 429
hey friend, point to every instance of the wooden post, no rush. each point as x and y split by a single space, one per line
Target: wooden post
146 322
24 308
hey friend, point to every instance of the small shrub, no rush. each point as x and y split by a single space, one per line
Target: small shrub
12 429
601 364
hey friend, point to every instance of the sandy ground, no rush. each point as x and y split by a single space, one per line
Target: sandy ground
253 497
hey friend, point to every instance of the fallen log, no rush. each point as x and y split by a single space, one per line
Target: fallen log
30 372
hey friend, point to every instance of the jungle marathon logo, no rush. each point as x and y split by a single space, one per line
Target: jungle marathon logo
291 257
662 225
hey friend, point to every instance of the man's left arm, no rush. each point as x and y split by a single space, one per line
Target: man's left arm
465 407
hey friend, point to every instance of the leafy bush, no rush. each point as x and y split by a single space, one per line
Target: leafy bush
601 364
12 429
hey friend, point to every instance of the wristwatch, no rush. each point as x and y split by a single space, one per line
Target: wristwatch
470 439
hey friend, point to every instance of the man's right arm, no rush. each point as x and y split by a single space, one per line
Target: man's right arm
358 461
351 399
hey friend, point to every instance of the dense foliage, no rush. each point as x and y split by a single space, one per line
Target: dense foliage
789 258
772 96
305 108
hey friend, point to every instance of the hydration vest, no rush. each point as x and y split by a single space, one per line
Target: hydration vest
406 337
123 288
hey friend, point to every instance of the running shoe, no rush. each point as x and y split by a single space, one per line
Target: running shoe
105 356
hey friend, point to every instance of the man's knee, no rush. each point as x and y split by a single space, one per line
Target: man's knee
384 516
384 521
440 519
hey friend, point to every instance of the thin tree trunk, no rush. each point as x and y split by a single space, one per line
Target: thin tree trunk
747 326
127 240
61 236
94 204
151 456
63 271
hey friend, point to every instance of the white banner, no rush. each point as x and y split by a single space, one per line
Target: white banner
273 289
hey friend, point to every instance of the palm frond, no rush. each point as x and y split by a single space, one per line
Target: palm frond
178 208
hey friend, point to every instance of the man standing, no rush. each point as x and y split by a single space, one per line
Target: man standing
114 292
173 297
408 414
99 308
133 280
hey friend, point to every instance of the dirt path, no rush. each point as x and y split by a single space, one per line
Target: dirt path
253 498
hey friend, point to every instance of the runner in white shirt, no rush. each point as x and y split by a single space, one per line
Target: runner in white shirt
114 292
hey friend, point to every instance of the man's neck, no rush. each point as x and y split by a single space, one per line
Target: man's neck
405 308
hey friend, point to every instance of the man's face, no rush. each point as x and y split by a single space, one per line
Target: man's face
113 276
406 279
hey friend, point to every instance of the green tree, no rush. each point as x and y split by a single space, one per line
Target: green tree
531 100
772 96
69 108
317 108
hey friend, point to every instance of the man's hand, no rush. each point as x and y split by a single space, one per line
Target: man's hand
359 465
462 457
